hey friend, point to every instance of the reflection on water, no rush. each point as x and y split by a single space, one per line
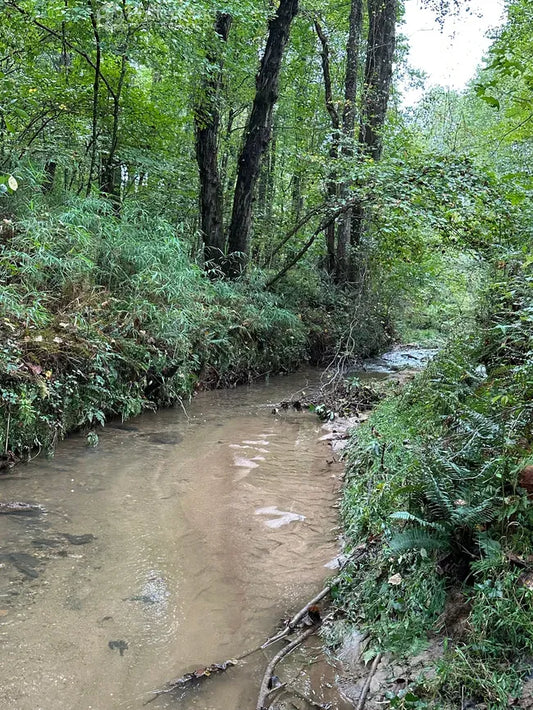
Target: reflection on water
177 542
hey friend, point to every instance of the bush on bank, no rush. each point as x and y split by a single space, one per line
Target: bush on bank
437 480
101 317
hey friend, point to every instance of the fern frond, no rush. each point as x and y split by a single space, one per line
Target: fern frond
468 516
440 499
409 517
418 539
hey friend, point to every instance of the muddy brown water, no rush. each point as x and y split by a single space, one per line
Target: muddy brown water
208 529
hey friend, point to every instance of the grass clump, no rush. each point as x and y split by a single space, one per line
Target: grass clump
437 480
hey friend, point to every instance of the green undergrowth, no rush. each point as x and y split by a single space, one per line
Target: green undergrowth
434 487
101 317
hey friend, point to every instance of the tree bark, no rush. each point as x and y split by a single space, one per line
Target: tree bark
206 128
332 185
110 178
382 15
96 89
348 132
257 135
378 74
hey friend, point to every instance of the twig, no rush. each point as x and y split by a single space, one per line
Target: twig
265 691
366 687
291 625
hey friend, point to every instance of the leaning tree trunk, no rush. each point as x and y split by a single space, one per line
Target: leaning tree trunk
206 125
348 131
257 136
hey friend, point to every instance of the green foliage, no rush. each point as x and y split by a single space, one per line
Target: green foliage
103 317
434 475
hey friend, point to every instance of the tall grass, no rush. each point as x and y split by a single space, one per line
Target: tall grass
104 317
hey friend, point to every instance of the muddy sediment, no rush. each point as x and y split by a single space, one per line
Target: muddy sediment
177 542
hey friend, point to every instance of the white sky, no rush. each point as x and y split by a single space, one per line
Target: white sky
449 56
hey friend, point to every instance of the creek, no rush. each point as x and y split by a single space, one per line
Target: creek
179 541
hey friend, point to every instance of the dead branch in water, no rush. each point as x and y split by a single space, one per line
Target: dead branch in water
265 690
366 687
289 627
301 616
197 675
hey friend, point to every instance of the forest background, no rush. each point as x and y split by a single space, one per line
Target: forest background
193 194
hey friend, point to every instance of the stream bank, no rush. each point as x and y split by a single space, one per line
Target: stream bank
439 482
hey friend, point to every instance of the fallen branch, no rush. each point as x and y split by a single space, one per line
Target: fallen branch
197 675
217 668
291 625
265 690
359 551
366 686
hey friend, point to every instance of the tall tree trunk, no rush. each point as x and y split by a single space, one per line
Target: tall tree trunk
96 89
348 134
331 185
271 176
296 197
257 135
206 128
382 15
378 74
111 174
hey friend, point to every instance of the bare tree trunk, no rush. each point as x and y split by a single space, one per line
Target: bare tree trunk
378 77
271 176
257 135
111 174
296 197
331 186
206 126
348 133
110 177
378 74
96 89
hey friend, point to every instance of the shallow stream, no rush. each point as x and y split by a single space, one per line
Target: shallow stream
179 541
